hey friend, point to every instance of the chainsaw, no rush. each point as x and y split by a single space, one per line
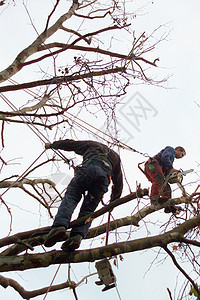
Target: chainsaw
177 176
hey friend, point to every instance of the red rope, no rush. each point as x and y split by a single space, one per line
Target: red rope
108 228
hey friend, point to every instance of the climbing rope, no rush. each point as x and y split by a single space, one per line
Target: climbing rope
108 228
118 292
78 123
52 282
115 141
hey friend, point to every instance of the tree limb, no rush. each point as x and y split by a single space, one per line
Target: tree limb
42 231
20 183
29 261
181 270
60 79
33 48
5 282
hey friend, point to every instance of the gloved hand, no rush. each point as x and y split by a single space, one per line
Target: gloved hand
47 145
174 170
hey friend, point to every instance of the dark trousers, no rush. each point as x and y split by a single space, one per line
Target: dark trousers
91 181
155 174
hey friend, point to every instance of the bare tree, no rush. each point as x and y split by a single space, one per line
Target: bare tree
80 71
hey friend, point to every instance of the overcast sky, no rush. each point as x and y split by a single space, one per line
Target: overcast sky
170 116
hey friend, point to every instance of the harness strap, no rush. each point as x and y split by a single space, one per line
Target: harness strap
103 162
139 167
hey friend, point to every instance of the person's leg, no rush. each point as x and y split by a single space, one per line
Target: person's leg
156 176
69 202
98 187
73 194
167 192
77 187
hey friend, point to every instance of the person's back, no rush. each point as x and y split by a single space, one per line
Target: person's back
95 150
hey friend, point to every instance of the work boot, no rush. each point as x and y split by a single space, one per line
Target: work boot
162 200
173 209
170 209
56 234
154 200
72 243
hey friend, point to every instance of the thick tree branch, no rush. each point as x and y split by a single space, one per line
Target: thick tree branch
42 231
5 282
134 219
37 237
30 261
24 110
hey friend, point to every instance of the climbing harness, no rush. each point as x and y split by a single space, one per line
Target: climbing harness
140 168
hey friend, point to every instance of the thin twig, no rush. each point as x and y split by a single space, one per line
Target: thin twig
181 269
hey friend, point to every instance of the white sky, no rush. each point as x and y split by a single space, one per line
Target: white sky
175 123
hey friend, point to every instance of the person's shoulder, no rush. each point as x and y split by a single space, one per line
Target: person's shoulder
170 149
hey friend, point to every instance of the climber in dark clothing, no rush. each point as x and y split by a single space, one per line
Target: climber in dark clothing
100 165
156 170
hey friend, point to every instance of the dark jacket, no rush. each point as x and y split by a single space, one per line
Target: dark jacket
166 158
89 149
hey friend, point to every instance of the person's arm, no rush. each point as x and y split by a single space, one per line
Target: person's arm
68 145
47 145
117 186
